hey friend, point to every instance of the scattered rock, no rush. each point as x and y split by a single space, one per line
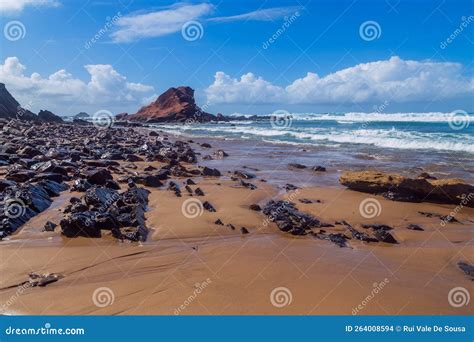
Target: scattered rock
36 279
255 207
319 169
206 171
199 192
467 268
384 236
208 206
49 227
297 166
289 219
414 227
244 174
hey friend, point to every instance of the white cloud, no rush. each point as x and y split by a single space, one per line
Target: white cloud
393 80
15 6
172 19
156 24
267 14
248 89
61 91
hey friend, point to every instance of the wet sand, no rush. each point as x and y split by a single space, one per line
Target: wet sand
193 266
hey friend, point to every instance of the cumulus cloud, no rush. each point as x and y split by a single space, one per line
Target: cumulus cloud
248 89
172 19
394 80
61 91
15 6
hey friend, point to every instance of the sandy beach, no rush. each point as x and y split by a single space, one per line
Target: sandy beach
189 265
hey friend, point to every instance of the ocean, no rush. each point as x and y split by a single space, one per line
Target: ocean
439 143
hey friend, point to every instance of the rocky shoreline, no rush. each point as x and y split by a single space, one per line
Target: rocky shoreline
127 188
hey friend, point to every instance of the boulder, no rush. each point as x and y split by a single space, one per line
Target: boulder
400 188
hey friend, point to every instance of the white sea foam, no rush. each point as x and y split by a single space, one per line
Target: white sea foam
370 117
397 137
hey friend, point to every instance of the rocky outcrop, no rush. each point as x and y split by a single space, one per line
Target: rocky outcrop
47 116
81 115
10 108
174 105
399 188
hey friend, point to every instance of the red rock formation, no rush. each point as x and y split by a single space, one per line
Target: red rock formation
174 105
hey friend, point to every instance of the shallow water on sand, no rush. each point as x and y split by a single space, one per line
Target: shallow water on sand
271 160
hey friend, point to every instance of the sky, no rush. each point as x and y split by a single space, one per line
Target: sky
251 57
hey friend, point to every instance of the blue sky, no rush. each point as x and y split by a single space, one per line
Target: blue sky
320 58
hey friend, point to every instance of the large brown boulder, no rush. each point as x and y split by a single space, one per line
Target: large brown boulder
174 105
400 188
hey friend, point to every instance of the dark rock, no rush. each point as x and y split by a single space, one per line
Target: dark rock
219 222
319 169
377 226
384 236
206 171
80 224
47 116
49 227
248 185
244 230
296 166
290 187
414 227
467 268
255 207
289 219
99 176
208 206
199 192
338 238
244 174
